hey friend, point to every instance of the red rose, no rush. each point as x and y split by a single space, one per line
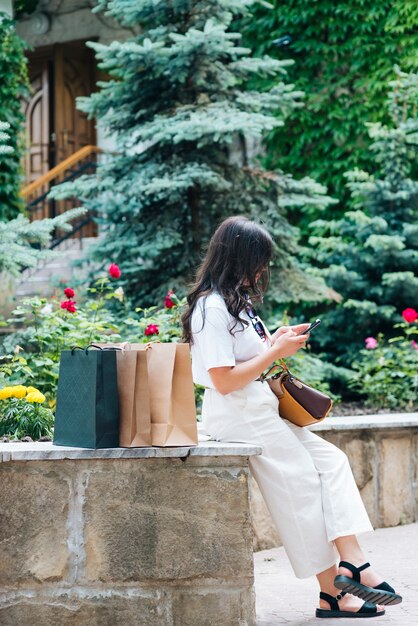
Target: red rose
69 305
114 270
168 303
410 315
69 292
152 329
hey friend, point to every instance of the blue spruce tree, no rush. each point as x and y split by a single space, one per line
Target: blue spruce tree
181 108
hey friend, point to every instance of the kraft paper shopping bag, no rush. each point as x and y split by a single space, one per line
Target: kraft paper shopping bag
171 393
173 408
133 391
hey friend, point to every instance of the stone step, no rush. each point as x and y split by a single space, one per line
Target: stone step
37 280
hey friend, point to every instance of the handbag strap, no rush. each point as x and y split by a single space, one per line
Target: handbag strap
270 338
259 326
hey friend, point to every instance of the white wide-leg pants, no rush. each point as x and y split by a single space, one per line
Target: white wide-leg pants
307 482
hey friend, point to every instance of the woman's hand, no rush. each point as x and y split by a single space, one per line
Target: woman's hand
287 341
298 328
290 341
231 378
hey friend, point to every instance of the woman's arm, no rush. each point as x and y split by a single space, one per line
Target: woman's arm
228 379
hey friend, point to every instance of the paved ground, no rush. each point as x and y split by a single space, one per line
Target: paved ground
283 599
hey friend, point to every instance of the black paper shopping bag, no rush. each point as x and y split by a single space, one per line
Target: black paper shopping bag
87 413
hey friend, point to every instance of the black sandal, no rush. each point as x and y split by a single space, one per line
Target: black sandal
381 594
366 610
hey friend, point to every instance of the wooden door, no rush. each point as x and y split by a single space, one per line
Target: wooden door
74 77
55 129
37 110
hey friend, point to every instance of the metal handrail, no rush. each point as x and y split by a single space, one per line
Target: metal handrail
59 169
31 206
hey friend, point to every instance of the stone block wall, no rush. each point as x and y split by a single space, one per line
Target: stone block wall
126 541
70 20
383 453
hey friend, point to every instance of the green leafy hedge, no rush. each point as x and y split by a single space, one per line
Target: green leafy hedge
370 254
344 55
13 87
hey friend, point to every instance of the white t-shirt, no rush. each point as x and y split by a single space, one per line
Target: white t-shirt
213 345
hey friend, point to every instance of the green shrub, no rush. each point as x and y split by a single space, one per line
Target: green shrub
13 365
386 373
46 327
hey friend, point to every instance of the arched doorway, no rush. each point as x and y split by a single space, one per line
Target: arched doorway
55 128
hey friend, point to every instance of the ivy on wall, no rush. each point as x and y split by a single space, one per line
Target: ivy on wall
344 55
13 87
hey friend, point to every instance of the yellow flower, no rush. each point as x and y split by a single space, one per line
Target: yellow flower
30 389
18 391
35 396
6 392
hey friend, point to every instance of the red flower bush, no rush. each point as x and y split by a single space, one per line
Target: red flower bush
70 293
168 302
69 305
410 315
152 329
114 270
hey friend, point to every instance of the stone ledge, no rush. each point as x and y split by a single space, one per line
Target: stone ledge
123 541
362 422
47 451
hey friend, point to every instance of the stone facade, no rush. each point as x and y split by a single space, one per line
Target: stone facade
129 541
383 453
69 20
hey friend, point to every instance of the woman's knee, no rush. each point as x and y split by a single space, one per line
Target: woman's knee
343 458
338 455
334 459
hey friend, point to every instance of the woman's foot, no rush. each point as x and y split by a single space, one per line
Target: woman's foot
346 605
363 582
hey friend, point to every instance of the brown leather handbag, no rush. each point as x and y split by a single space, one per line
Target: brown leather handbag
298 402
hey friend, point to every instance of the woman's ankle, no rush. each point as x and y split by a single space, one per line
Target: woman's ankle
330 590
356 558
350 550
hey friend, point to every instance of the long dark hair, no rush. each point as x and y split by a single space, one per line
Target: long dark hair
236 265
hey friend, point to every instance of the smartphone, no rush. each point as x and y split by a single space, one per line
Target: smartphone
311 327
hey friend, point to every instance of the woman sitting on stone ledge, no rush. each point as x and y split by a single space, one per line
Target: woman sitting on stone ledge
307 482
